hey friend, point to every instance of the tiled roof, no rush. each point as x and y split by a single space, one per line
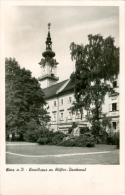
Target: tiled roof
51 91
69 87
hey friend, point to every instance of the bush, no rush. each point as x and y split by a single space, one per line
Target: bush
68 142
86 140
42 141
58 137
31 136
44 132
117 140
110 140
48 137
58 133
84 130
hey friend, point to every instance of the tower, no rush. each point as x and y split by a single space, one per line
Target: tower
48 64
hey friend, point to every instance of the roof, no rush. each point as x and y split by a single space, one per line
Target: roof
69 87
51 91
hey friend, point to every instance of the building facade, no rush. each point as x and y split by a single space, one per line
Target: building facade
60 96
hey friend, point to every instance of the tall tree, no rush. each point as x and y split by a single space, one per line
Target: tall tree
24 98
97 64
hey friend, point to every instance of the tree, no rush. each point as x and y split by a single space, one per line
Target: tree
24 98
97 64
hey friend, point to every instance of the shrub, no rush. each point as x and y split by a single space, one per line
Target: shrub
31 136
44 141
86 140
57 133
84 130
48 137
117 140
58 137
110 140
44 132
69 142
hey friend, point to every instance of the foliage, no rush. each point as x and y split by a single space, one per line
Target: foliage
110 140
32 131
84 130
85 140
97 63
35 131
106 122
58 138
44 141
48 137
68 143
117 140
31 136
24 98
44 132
96 128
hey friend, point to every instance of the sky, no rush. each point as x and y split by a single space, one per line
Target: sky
26 29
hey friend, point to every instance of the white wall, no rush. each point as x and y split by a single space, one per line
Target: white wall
65 109
43 83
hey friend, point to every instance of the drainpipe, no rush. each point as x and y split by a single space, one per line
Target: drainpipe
57 112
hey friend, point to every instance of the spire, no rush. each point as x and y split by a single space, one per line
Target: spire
48 40
48 52
49 24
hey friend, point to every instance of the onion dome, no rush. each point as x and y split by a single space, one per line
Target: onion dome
48 53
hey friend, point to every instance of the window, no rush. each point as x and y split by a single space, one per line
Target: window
114 107
69 115
51 71
61 102
61 116
114 84
54 116
114 125
78 115
54 103
70 99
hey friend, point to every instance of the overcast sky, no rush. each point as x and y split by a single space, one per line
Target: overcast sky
26 32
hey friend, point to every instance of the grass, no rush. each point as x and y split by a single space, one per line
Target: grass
34 149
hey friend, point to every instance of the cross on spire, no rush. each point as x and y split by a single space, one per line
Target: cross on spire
49 24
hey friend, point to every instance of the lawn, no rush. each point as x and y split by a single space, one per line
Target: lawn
28 153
